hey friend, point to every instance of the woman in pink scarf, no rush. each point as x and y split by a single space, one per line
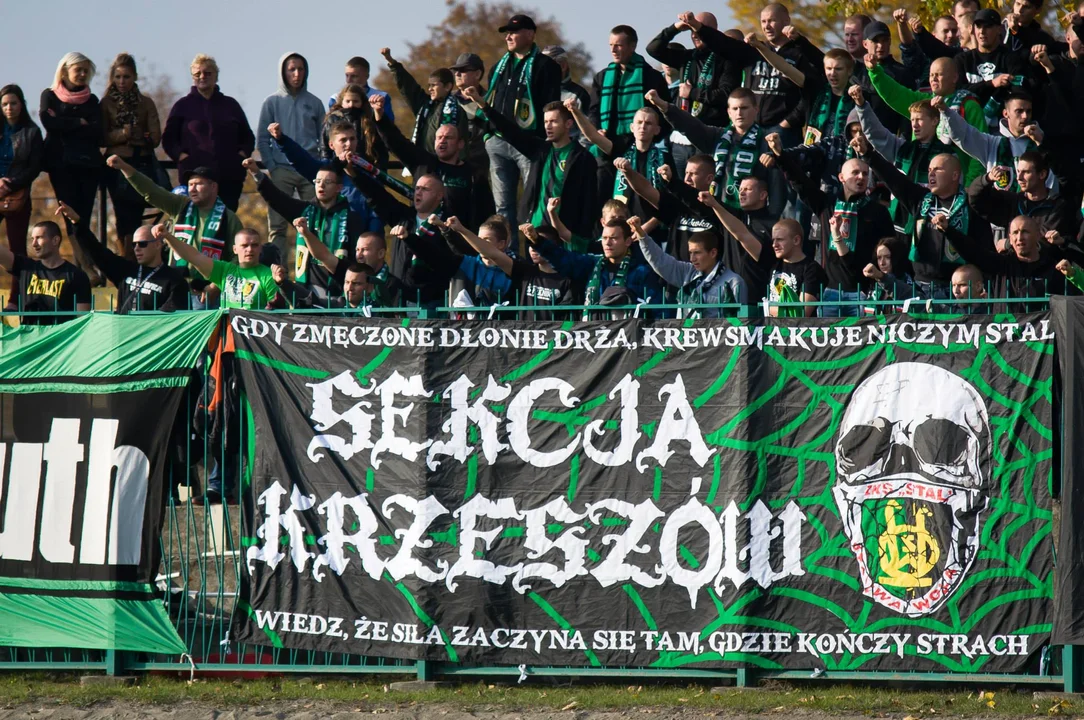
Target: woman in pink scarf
72 119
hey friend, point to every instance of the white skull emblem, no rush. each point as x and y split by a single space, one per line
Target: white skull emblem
912 461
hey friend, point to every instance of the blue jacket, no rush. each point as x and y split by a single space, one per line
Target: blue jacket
485 279
300 114
371 92
307 166
577 267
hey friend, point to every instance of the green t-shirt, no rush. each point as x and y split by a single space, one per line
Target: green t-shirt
245 288
553 181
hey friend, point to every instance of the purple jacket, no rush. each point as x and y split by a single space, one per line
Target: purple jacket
213 132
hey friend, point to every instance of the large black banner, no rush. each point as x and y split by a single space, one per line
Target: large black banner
864 494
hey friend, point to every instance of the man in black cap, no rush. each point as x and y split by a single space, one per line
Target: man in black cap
521 83
991 71
200 218
468 71
877 40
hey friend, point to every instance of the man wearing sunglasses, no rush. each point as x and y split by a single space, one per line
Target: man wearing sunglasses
146 284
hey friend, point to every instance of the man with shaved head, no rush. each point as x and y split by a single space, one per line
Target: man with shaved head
1027 269
934 256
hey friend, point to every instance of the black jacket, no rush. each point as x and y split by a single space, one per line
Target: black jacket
653 80
928 241
68 142
318 277
419 282
780 99
466 196
163 288
545 85
29 151
579 204
978 69
999 207
726 74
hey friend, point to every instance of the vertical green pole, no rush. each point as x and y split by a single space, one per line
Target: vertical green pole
114 663
741 677
425 670
1072 657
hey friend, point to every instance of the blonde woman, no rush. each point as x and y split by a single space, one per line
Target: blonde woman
208 129
132 130
72 119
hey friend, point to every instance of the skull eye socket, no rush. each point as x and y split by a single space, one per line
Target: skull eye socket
943 443
864 445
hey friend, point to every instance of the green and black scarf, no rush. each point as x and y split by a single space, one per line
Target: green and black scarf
211 243
734 163
825 122
525 116
593 292
655 158
449 115
330 227
621 95
706 73
959 218
1006 158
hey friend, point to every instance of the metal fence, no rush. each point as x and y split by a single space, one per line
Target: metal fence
201 575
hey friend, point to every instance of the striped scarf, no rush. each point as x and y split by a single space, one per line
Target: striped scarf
330 227
525 116
913 160
703 80
959 217
621 95
449 115
732 164
822 121
654 158
593 292
847 212
1007 159
210 244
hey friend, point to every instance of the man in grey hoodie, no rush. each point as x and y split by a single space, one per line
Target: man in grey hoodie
301 115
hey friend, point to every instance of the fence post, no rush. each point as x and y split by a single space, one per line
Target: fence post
1072 657
114 663
425 670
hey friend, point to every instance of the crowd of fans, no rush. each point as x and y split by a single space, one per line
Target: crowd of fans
752 170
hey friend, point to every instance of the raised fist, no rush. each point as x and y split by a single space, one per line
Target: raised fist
278 273
900 15
275 131
301 224
940 221
775 143
666 173
857 95
251 165
622 164
873 272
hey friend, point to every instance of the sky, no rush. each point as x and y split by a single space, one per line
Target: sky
247 38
